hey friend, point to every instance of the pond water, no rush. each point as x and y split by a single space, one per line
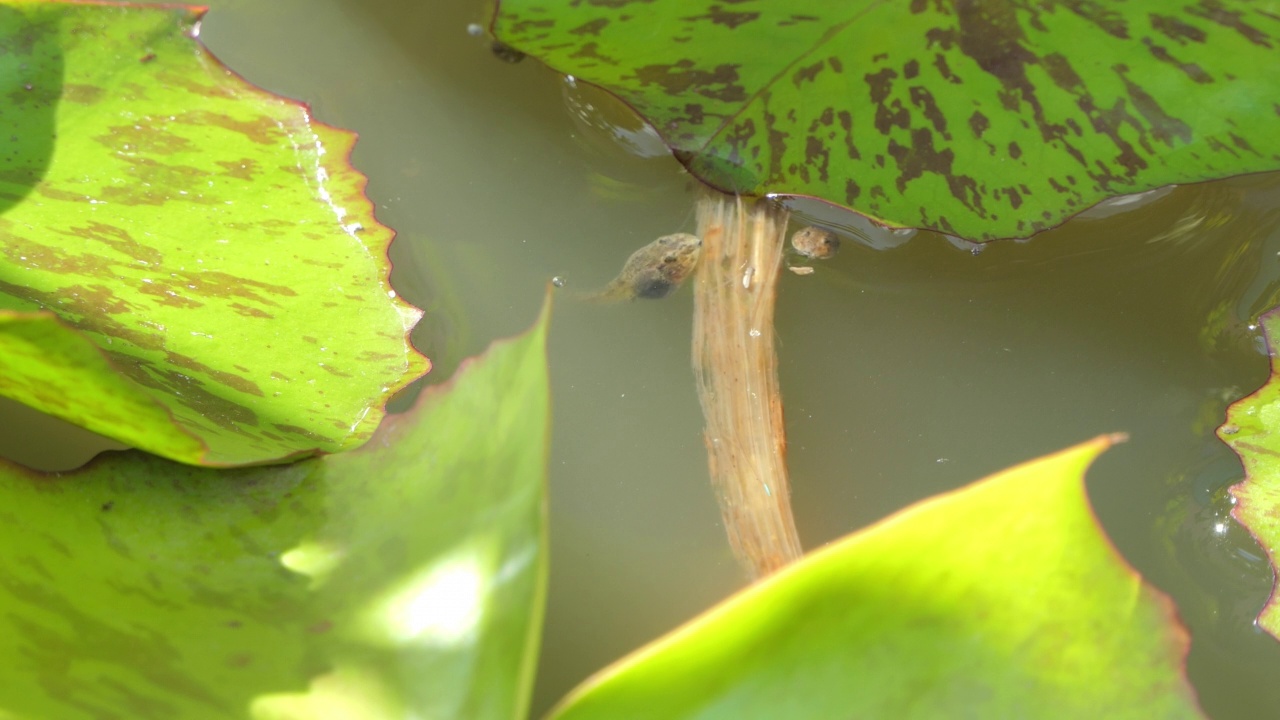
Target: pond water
906 371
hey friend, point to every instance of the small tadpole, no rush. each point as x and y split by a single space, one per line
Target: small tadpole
815 243
505 52
812 243
654 271
558 281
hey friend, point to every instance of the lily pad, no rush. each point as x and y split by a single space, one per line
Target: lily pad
1003 599
404 579
1252 429
207 237
984 119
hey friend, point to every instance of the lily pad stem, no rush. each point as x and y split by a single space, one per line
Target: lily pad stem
735 365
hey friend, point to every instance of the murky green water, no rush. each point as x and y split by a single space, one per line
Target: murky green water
906 372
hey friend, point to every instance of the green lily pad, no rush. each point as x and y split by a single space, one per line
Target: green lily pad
1252 429
1000 600
207 237
403 579
985 119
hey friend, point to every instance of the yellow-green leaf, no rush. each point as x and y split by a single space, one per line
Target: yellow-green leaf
1000 600
1252 429
209 238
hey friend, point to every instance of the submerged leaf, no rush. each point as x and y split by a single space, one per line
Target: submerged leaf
1001 600
981 118
404 579
1252 429
207 237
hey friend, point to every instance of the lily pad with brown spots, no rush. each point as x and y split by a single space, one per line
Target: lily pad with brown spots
404 579
979 118
206 240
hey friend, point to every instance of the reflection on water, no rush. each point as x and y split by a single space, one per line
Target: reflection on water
898 352
606 126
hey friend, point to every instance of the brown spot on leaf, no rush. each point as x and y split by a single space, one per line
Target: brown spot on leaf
922 157
940 62
1241 143
776 138
1257 449
1191 70
728 18
807 73
262 130
184 81
978 123
250 311
1101 15
22 252
143 140
231 380
150 182
943 38
590 28
846 124
817 156
1215 12
116 238
923 99
591 51
166 295
1164 127
990 34
888 115
302 432
681 77
1061 73
242 169
82 94
1176 30
215 283
334 371
529 26
1015 199
797 19
187 391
